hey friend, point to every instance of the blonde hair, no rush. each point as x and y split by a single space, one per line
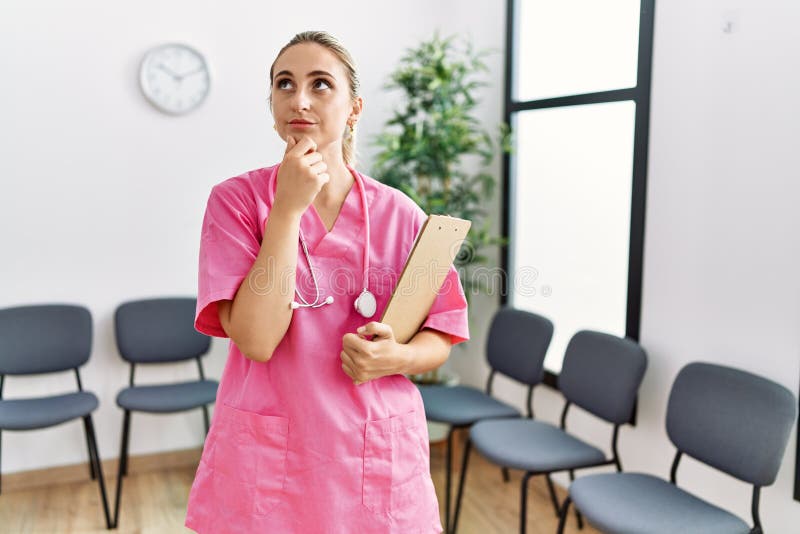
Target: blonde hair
331 43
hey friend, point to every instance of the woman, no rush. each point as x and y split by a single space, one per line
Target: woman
315 428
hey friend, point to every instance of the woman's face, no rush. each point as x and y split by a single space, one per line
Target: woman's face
311 95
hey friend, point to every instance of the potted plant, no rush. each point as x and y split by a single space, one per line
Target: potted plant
437 152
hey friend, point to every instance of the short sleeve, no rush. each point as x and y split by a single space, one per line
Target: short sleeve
449 313
229 245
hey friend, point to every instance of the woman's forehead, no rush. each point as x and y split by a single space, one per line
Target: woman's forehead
302 59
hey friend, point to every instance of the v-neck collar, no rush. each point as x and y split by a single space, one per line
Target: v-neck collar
316 216
346 231
349 221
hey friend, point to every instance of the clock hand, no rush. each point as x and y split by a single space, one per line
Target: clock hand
168 71
195 71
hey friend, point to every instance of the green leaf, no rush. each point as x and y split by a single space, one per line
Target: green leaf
434 148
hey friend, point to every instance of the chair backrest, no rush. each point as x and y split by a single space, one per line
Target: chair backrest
517 344
159 330
730 419
602 373
44 338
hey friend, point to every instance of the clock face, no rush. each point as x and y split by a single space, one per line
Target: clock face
174 78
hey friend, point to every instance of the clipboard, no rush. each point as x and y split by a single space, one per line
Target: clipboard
424 273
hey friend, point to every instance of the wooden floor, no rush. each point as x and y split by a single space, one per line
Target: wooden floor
155 502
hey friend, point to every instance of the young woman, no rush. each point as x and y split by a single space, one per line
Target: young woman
316 428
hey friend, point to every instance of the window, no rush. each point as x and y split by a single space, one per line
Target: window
577 98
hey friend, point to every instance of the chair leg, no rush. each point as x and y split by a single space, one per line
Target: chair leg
523 509
552 492
92 473
577 512
506 478
562 521
461 479
447 473
205 417
123 464
97 468
123 458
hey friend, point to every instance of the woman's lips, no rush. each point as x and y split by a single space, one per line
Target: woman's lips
301 124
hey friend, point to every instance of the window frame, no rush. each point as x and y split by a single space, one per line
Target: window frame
641 97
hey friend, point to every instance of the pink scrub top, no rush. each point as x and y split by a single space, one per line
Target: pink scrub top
294 445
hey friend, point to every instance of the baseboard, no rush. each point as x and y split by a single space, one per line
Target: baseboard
142 463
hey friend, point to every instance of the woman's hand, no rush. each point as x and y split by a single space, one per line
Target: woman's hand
301 175
364 359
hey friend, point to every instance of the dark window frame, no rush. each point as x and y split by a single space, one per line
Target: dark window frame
797 459
641 96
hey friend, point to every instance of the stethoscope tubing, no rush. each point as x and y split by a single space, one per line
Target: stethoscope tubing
358 182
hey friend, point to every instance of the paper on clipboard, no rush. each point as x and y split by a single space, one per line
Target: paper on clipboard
424 273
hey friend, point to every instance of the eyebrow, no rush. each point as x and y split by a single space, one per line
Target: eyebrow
312 73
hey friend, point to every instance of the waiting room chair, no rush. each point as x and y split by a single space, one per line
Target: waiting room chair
601 373
152 331
49 338
516 347
733 421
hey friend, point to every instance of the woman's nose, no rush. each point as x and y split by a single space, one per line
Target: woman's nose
301 101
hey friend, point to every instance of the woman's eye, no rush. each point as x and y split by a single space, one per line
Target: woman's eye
283 84
321 84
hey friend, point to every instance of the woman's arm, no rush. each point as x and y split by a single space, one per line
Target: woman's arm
364 359
426 351
259 316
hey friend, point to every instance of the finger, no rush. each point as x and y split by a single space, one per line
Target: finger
324 177
319 167
311 159
290 142
347 360
374 328
347 340
347 371
304 145
349 368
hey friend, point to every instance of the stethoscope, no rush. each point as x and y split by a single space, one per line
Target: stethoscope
365 303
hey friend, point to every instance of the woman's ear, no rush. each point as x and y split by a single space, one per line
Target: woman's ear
358 107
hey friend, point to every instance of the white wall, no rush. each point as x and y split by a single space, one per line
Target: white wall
721 250
102 196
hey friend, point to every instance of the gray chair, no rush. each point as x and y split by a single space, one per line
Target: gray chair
153 331
601 373
49 338
733 421
516 347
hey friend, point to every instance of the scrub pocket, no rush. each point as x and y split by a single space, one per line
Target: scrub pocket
394 465
249 460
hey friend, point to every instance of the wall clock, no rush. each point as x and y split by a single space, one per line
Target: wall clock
175 78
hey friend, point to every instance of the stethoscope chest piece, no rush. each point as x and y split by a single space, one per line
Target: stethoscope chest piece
366 304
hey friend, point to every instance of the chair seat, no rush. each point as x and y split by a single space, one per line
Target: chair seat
168 398
532 446
28 414
633 502
462 405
